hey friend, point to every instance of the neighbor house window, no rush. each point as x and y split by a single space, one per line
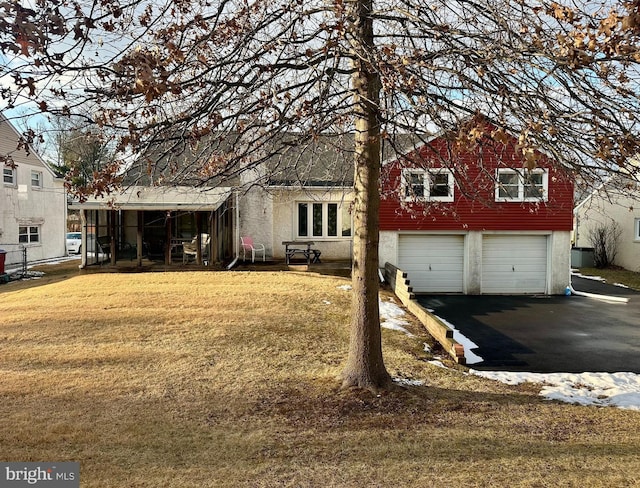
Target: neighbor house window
636 235
9 175
323 219
429 185
29 234
522 186
36 179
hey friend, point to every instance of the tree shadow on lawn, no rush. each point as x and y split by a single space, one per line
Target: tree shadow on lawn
402 405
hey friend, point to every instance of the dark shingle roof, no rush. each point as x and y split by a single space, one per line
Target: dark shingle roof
285 160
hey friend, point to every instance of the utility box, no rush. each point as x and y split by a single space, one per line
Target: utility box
582 257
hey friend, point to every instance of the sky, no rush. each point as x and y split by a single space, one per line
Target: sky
620 390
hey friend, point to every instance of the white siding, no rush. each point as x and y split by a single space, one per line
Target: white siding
23 205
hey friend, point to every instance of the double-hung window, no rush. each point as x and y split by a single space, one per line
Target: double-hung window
428 185
36 179
29 234
9 176
522 186
323 220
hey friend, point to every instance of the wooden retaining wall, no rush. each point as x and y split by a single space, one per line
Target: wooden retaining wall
401 286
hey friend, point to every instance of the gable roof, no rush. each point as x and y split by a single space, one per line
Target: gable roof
9 138
281 160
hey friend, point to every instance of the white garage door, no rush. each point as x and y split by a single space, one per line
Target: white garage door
514 264
434 263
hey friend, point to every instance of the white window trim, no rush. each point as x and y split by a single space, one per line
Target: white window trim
521 174
39 175
636 234
427 185
14 176
29 242
325 220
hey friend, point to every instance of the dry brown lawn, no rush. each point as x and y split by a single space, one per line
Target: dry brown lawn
228 379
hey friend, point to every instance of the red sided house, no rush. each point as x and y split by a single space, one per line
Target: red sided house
474 219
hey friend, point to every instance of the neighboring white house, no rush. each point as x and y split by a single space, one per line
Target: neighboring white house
32 203
617 201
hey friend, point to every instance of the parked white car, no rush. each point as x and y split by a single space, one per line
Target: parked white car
74 242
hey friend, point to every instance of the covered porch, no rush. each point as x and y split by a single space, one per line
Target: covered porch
171 226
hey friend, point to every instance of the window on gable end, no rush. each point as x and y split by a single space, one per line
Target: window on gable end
9 176
413 184
522 186
36 179
428 185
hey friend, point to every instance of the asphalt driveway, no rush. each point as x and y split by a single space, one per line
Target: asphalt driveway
544 334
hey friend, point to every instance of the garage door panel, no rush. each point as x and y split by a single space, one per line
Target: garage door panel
514 264
434 264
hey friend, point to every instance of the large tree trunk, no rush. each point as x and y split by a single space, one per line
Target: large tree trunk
365 366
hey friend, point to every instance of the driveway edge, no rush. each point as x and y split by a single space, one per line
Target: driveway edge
401 286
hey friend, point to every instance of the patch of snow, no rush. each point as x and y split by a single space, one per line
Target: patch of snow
390 317
621 390
589 277
468 344
408 382
345 287
437 363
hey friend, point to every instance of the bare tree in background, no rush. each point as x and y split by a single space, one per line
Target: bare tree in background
605 239
561 76
81 151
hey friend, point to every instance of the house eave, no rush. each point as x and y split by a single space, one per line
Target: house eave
158 198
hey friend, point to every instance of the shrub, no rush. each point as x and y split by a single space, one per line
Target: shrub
604 239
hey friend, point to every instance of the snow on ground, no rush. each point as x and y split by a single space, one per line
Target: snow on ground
16 267
468 344
587 277
390 317
621 390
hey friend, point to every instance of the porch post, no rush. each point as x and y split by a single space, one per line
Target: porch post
213 241
112 231
139 244
199 238
167 251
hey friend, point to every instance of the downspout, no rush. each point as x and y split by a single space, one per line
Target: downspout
236 232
